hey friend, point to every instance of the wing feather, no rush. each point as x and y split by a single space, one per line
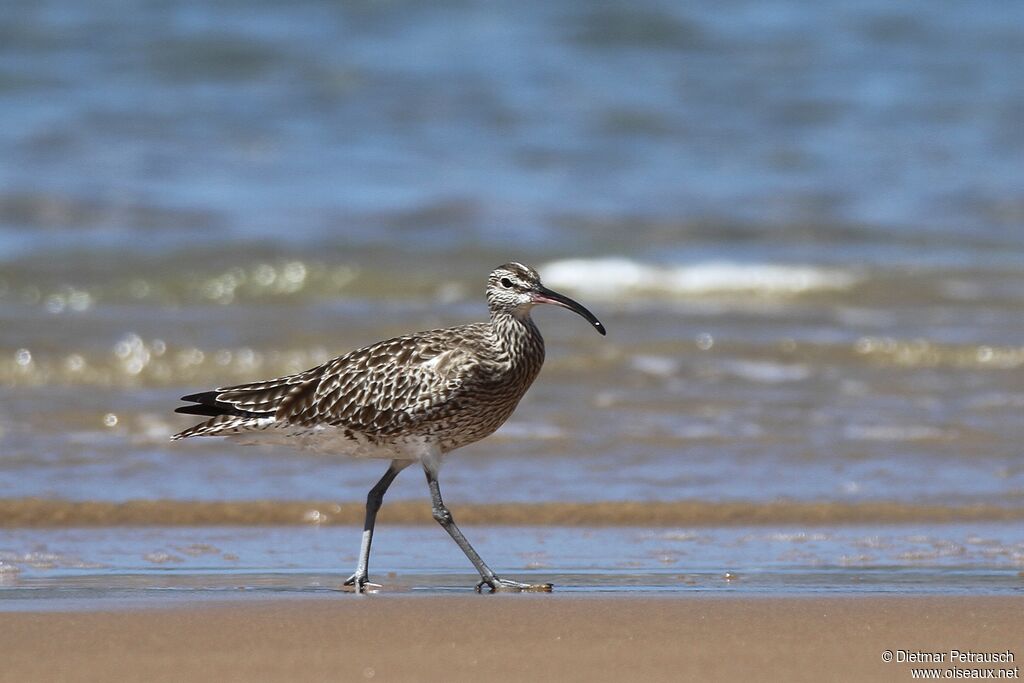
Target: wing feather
387 387
377 390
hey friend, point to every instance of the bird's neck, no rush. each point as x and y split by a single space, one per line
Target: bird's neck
517 339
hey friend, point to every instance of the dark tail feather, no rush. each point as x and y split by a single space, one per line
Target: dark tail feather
207 397
209 411
208 405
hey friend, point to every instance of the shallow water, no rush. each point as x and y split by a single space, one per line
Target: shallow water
58 569
802 226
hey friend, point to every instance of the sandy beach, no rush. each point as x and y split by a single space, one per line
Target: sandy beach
512 637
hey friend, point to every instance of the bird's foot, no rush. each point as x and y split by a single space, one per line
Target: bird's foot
360 584
496 585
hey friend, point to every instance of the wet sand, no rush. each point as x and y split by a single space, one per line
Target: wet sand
503 638
48 513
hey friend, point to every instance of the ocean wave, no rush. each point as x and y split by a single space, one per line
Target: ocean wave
134 361
764 372
611 278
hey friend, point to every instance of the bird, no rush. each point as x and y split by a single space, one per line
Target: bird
411 399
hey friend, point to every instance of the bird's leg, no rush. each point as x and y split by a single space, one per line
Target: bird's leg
360 580
487 576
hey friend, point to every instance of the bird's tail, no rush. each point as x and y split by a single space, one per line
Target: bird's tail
226 417
243 407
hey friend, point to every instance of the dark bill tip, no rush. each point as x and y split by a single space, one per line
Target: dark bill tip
548 296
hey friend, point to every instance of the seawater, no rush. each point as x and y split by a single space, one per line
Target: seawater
62 569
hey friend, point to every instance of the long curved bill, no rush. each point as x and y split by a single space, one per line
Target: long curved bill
547 296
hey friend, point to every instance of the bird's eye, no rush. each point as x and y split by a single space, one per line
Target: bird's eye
506 283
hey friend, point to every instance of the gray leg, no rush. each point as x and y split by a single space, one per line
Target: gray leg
374 499
487 577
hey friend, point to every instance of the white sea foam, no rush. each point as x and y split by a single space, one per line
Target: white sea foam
618 277
768 373
659 366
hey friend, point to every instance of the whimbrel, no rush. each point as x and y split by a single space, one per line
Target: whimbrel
408 399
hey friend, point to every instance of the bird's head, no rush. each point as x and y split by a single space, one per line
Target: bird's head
514 289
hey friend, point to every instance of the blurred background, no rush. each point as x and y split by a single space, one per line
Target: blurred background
802 223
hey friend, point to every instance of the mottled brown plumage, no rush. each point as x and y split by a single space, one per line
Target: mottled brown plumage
453 386
409 398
